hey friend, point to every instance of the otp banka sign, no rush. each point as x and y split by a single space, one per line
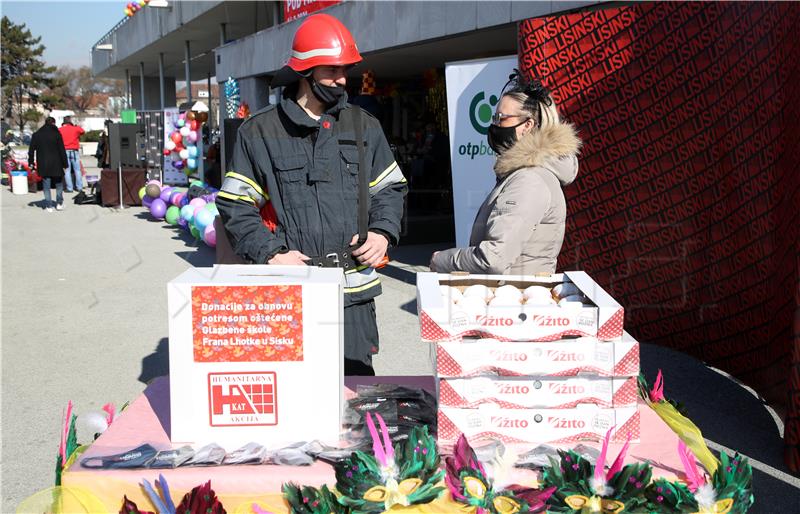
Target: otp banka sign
481 108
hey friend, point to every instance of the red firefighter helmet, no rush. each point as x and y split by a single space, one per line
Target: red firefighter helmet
322 40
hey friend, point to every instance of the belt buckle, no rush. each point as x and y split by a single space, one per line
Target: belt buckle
334 258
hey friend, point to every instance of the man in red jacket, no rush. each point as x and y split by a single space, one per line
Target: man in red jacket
71 135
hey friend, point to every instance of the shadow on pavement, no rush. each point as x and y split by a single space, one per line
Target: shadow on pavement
157 363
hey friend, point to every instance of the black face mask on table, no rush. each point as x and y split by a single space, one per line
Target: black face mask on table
501 139
328 95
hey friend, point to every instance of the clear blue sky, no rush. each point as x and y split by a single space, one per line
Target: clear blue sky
68 29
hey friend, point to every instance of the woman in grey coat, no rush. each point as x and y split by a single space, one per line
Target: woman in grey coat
519 228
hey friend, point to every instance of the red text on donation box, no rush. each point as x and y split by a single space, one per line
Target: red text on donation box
255 355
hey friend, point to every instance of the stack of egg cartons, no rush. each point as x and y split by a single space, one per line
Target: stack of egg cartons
522 368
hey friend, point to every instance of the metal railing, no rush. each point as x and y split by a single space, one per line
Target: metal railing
107 35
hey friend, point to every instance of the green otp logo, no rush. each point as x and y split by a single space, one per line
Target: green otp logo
480 112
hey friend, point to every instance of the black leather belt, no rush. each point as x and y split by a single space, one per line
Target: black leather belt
339 259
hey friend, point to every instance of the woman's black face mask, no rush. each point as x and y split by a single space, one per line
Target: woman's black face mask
500 138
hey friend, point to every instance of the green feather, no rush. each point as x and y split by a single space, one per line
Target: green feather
354 477
569 475
418 458
630 482
309 500
669 497
734 479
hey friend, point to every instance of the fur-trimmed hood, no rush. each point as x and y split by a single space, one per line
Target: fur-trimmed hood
537 147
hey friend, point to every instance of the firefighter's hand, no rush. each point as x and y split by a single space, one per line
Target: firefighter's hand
290 258
372 251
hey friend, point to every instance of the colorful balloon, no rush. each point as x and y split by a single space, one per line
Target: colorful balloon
158 208
191 163
184 153
192 137
178 165
141 192
172 215
185 131
210 236
169 145
165 194
197 202
203 218
190 115
202 117
187 213
176 137
153 190
180 123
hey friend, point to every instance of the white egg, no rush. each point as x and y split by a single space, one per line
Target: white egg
571 301
537 295
479 291
505 301
452 294
508 291
566 289
473 306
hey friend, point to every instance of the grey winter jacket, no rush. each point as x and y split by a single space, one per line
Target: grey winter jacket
308 171
519 228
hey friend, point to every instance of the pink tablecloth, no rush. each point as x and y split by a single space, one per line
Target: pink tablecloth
146 420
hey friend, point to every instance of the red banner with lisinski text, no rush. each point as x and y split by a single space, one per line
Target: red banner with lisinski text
247 323
293 9
686 206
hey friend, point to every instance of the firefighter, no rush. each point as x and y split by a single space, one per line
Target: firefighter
290 196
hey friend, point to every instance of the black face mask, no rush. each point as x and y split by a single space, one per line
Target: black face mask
328 95
501 139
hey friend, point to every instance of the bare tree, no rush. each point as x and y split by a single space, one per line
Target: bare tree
80 91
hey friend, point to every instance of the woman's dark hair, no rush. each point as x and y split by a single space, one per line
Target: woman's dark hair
535 98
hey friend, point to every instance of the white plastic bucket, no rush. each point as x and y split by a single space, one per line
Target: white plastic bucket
19 182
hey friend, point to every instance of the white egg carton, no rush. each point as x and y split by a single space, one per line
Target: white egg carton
515 308
537 426
565 358
538 392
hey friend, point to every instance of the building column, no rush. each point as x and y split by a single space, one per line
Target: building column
128 88
188 72
161 78
141 85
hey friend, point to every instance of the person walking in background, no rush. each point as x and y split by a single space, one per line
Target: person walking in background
71 135
519 228
47 153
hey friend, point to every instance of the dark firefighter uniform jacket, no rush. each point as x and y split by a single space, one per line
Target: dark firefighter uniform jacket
308 170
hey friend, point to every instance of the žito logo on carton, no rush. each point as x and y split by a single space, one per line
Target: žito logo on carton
242 399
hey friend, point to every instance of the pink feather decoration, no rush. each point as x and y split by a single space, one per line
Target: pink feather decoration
110 410
463 457
536 498
618 462
387 441
657 393
694 478
62 448
377 447
600 465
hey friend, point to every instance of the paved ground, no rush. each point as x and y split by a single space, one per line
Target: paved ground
84 319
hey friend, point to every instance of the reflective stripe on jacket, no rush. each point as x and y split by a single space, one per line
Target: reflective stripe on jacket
308 170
